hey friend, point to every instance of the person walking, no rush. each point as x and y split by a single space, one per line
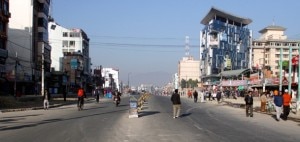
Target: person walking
263 102
65 94
97 94
195 94
278 104
219 95
175 98
249 104
46 99
286 104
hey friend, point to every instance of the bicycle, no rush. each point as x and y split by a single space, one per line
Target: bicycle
80 103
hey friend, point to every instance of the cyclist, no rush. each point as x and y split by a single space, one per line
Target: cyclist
80 95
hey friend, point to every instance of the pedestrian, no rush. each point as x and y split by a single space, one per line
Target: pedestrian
175 98
65 94
195 94
249 104
46 99
286 104
219 95
278 104
263 102
97 94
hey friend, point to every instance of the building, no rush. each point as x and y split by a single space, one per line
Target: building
111 78
5 15
28 41
70 54
266 53
224 46
188 68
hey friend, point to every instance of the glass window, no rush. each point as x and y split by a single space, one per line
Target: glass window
65 43
72 43
65 34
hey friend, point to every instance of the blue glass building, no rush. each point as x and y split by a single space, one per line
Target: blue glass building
225 44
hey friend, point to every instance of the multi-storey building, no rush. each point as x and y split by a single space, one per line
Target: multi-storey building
4 19
224 44
27 42
70 45
111 78
188 68
266 50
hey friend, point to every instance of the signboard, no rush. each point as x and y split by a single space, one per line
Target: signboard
74 64
133 111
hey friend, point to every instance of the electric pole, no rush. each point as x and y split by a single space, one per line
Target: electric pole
43 72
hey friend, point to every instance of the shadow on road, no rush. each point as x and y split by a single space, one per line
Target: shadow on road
185 114
5 128
146 113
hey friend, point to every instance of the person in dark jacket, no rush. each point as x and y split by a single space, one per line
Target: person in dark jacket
249 104
175 98
195 94
278 101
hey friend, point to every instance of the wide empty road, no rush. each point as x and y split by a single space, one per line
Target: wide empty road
103 122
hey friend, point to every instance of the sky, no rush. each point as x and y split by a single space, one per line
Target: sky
145 39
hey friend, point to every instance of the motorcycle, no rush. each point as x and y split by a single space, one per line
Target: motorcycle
117 100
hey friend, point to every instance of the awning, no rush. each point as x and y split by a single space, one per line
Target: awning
233 72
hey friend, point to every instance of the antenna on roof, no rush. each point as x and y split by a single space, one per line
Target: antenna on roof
273 22
187 47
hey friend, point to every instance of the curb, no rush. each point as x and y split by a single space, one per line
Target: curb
41 107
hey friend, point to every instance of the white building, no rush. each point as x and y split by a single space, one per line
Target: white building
188 68
63 40
111 78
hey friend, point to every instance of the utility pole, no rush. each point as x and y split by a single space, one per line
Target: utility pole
43 71
263 69
15 83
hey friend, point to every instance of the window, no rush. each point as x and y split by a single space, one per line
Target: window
277 50
65 34
74 34
72 43
285 50
285 56
65 43
277 44
277 55
276 61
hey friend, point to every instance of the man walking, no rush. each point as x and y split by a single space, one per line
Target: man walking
175 98
195 94
263 102
286 104
249 104
46 99
278 104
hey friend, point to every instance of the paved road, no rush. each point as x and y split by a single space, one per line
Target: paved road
104 122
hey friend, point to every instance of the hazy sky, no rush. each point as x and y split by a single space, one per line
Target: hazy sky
146 36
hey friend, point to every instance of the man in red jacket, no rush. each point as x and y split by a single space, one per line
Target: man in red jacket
286 104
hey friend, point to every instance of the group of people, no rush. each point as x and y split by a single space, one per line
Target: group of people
280 102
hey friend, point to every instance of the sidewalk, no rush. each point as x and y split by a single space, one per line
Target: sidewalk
240 103
35 102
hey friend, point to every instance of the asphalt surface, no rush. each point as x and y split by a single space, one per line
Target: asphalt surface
209 122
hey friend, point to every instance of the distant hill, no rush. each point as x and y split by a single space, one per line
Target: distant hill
156 78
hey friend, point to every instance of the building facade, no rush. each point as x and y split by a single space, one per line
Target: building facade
70 54
224 44
266 51
5 15
28 41
188 68
111 78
